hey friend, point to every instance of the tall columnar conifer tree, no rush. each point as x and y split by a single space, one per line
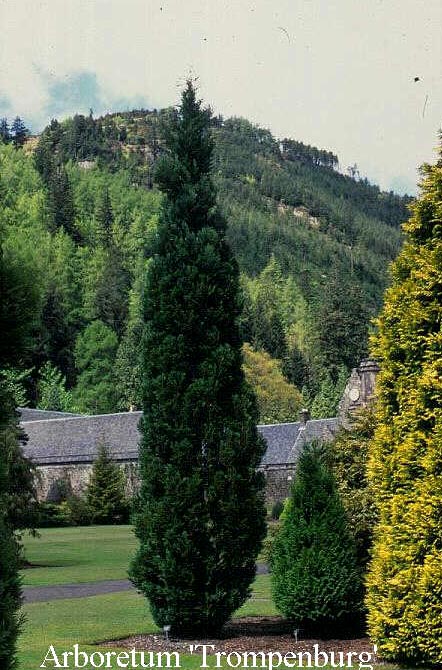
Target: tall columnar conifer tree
201 518
405 466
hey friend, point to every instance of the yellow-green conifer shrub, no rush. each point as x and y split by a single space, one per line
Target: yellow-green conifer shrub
405 575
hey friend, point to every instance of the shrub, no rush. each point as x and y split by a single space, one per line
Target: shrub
267 545
51 515
74 511
315 578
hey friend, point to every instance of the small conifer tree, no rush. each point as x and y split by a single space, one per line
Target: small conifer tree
202 517
106 497
405 461
315 578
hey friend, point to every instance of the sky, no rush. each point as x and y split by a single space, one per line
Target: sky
359 77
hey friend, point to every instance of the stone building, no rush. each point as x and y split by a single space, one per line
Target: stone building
64 446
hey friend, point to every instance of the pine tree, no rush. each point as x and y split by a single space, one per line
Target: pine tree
10 591
405 464
315 578
104 218
111 291
106 496
5 135
341 325
61 202
19 132
202 518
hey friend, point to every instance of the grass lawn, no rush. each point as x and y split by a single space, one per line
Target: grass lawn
82 554
92 554
86 621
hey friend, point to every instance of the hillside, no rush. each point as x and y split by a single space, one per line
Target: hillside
78 213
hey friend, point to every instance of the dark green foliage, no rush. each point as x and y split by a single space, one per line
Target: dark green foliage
45 156
77 139
18 306
17 490
105 495
19 132
201 516
268 331
18 493
10 597
295 367
111 291
95 352
51 515
304 153
10 591
5 135
61 203
276 510
341 325
58 334
315 578
74 511
104 218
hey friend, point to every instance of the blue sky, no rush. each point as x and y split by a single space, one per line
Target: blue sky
339 74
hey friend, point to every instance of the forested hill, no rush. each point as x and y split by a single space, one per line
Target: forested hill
78 212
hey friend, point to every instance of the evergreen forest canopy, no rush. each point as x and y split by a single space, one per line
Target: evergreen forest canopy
78 215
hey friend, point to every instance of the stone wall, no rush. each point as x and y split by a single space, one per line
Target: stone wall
279 479
55 481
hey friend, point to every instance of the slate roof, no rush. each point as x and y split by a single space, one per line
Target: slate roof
31 414
320 430
75 438
280 438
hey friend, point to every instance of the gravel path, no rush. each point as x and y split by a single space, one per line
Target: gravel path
38 594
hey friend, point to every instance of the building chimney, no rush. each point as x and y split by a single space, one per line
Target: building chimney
304 416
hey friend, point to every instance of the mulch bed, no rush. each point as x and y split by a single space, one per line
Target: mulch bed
247 634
